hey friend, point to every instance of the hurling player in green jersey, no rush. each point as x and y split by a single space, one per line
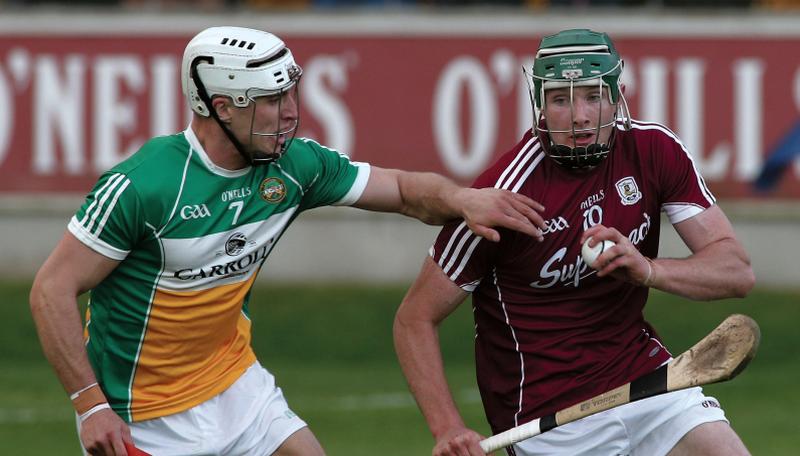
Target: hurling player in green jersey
170 241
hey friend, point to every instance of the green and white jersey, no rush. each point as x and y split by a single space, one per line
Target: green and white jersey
169 327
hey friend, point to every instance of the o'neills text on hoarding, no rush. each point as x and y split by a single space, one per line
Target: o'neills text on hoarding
74 106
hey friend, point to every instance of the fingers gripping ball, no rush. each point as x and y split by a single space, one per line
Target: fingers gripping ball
590 254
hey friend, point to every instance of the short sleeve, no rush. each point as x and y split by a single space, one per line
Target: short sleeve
111 220
338 181
464 257
684 192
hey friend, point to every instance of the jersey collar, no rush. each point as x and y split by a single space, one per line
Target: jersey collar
194 143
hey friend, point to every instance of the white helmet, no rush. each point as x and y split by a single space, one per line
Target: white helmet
237 62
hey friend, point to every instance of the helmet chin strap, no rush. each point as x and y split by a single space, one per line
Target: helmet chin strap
579 157
201 91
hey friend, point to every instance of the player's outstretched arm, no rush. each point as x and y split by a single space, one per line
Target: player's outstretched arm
428 302
71 270
436 200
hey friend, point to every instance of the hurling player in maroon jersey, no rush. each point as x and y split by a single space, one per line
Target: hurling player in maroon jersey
550 331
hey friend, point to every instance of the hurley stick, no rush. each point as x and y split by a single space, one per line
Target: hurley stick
718 357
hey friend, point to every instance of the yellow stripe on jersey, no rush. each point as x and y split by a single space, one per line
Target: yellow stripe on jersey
196 345
87 319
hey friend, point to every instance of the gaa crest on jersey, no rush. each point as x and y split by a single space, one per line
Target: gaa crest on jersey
628 191
272 190
235 244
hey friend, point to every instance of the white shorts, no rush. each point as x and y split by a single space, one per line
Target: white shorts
649 427
251 417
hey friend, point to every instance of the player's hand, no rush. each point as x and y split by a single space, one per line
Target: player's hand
622 261
104 434
459 442
488 208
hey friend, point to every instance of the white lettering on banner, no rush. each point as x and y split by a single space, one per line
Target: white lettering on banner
628 80
58 114
19 64
6 116
19 69
524 106
652 96
504 67
112 113
690 74
119 82
748 76
691 113
129 96
163 112
328 109
465 160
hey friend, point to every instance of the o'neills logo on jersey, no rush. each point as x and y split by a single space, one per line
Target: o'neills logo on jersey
239 193
231 268
628 191
272 190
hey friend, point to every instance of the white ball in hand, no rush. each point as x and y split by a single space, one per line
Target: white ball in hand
590 254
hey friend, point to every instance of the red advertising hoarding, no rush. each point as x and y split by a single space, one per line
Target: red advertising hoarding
74 105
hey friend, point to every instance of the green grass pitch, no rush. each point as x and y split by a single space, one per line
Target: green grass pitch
331 351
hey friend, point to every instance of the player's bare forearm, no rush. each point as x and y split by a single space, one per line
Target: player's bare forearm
430 198
58 323
717 271
429 301
71 270
418 351
417 195
435 200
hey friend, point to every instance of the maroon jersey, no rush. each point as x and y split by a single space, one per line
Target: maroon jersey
549 332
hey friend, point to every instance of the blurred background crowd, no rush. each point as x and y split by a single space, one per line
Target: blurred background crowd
212 5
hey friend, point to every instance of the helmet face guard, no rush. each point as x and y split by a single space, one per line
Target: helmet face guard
289 132
569 59
242 64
